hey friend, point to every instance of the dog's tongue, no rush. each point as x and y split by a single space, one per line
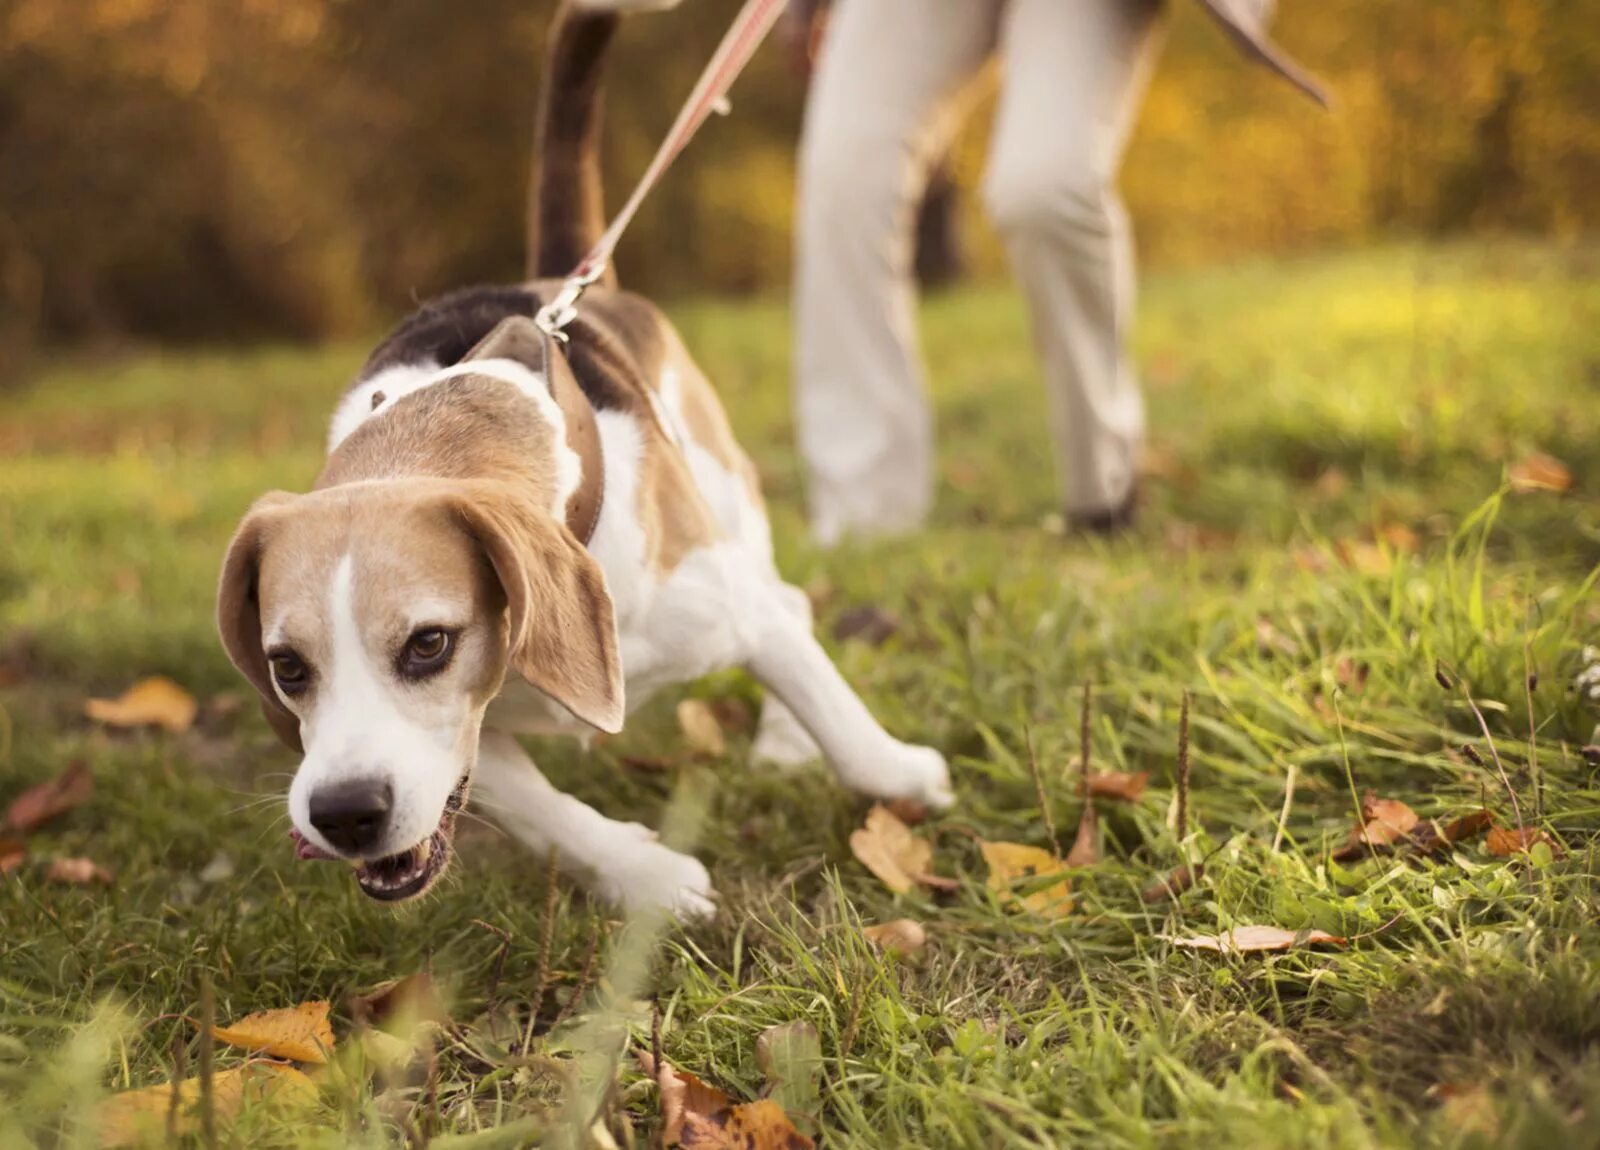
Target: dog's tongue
304 848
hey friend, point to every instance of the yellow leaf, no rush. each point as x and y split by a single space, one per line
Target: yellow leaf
132 1115
893 852
1245 939
1010 863
700 728
1540 472
299 1033
154 702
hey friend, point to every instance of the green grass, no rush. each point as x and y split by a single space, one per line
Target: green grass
1296 407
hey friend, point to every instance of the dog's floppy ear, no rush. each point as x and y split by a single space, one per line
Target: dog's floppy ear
239 613
563 632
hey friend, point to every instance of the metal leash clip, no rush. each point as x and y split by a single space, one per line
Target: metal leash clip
554 317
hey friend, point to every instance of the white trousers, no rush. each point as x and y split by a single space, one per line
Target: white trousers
884 101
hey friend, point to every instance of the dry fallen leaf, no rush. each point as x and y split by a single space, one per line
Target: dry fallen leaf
134 1116
790 1058
1122 785
1431 838
1013 863
909 811
1246 939
77 872
13 853
1540 472
1399 537
1384 822
299 1033
1086 843
902 936
400 1003
153 702
896 854
700 727
1364 558
697 1115
39 804
1173 884
1503 842
1468 1109
872 625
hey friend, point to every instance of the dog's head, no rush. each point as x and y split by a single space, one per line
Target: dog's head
377 621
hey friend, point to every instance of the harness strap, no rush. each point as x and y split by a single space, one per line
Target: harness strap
513 339
744 36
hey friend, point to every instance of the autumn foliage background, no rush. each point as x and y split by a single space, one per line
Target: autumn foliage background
204 170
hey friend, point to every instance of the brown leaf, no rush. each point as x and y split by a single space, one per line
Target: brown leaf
77 872
647 763
702 1117
1503 842
893 852
902 936
1540 472
134 1117
1176 881
1364 558
1384 822
400 1003
909 811
1400 538
153 702
1468 1109
39 804
871 624
1014 863
1309 559
1086 843
733 714
1121 785
700 727
13 853
1332 483
1430 838
1351 675
1248 939
790 1058
299 1033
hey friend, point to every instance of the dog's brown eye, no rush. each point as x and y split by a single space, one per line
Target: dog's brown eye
426 652
290 672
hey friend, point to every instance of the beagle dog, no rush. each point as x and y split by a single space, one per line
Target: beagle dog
515 537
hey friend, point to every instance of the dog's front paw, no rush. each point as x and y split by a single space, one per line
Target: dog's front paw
644 875
906 771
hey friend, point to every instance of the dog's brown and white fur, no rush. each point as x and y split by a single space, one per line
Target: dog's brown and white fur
429 599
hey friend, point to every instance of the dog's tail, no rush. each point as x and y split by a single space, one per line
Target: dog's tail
566 209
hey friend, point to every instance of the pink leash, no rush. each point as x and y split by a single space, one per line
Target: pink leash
709 95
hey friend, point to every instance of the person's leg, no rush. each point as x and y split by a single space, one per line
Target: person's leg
1074 75
883 97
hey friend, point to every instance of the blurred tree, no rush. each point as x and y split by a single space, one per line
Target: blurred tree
211 169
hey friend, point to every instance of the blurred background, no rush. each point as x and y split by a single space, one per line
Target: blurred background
206 171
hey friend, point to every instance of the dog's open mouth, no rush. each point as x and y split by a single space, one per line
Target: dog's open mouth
411 872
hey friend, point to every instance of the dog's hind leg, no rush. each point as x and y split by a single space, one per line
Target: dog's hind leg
621 862
790 663
781 738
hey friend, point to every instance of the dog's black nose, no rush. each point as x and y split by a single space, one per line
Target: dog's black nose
352 816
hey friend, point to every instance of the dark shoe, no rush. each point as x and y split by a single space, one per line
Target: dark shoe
1108 523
